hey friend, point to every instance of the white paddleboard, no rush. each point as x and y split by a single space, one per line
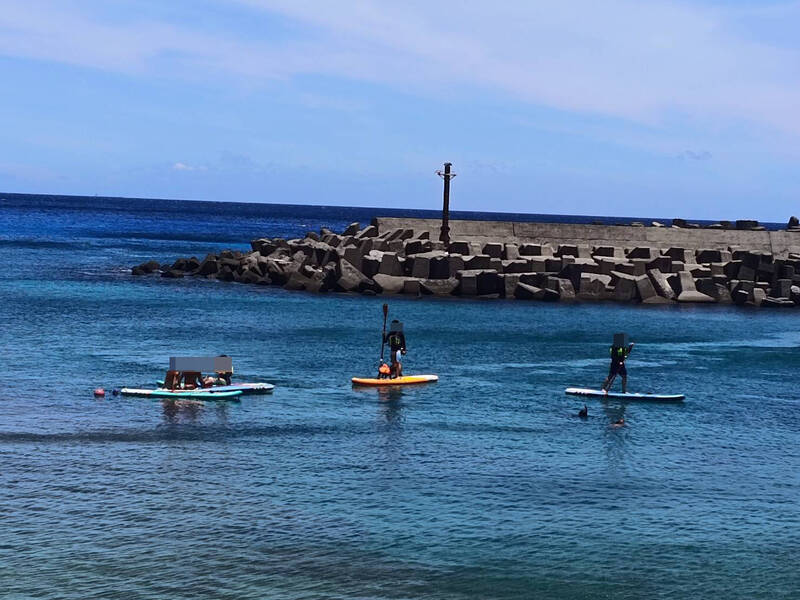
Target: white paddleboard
245 388
628 396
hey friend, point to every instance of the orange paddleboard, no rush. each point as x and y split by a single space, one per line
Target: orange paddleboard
405 380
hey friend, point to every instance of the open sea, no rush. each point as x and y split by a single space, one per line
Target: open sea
484 485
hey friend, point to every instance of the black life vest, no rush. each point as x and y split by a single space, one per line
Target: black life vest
395 341
618 354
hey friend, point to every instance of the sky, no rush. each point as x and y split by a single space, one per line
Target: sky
622 107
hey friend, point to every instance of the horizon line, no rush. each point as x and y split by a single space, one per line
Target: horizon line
665 221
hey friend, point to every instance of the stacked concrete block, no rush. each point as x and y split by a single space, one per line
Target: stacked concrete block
391 264
717 291
367 232
563 287
536 250
493 249
352 229
553 265
680 254
400 259
608 251
511 252
643 252
456 262
371 264
477 261
567 250
524 291
661 284
593 286
390 284
440 266
508 283
459 247
439 287
478 282
538 264
516 266
625 288
418 247
647 293
685 289
662 263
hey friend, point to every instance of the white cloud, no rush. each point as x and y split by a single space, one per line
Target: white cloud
623 58
641 61
695 155
179 166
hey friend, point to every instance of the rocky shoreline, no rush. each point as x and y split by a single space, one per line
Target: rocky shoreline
404 261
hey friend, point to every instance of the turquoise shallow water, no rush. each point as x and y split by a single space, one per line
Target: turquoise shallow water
485 485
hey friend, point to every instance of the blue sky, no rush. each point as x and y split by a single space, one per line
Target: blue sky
634 108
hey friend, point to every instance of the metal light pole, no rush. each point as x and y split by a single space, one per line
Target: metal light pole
444 236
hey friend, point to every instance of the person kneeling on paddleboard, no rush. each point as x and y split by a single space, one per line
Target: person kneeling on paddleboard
397 347
619 352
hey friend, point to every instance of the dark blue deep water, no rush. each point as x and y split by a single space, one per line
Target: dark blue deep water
484 485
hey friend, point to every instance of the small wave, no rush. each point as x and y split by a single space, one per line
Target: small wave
169 434
34 243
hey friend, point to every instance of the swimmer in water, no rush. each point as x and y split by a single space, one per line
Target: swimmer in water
619 422
584 412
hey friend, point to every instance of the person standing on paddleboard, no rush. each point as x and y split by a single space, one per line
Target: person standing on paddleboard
397 347
619 352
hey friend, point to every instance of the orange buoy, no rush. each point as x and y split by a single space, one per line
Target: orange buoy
99 392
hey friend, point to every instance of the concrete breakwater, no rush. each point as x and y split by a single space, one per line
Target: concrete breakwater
523 261
749 235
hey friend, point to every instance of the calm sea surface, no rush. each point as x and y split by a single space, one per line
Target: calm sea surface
485 485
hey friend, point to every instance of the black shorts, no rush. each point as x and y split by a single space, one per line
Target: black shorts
617 368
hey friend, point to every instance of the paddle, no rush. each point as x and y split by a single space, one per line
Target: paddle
383 335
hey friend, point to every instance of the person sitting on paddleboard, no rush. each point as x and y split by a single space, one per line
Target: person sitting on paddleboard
223 378
173 380
618 356
192 380
397 347
384 372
